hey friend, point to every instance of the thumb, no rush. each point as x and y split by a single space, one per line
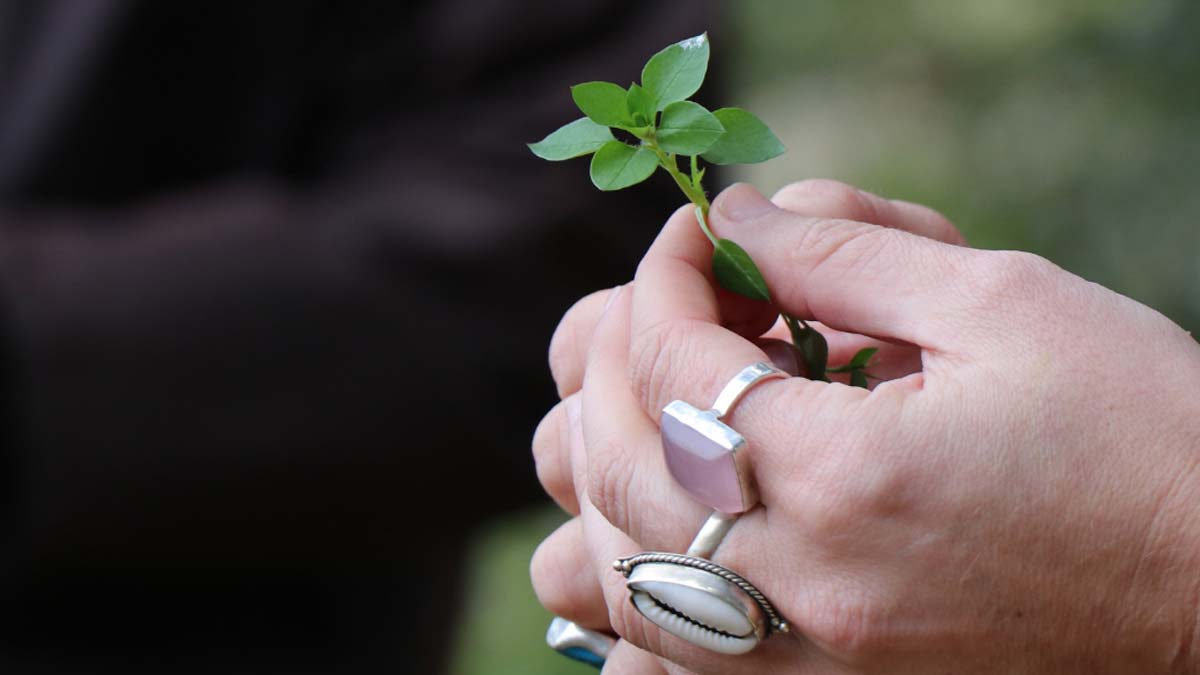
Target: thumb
852 276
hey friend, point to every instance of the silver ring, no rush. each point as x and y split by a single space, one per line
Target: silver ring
698 600
578 643
706 456
741 384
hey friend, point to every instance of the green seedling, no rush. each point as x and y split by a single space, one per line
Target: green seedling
668 128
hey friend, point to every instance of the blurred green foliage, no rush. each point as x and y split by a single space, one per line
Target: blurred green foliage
503 627
1069 128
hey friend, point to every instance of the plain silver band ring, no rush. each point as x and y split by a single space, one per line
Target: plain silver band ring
741 384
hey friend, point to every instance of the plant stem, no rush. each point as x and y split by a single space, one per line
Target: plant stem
703 220
694 193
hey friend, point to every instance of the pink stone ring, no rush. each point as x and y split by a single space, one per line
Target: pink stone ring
705 455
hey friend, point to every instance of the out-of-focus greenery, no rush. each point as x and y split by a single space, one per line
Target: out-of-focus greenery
504 628
1069 128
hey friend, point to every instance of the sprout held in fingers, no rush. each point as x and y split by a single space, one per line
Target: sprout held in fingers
668 127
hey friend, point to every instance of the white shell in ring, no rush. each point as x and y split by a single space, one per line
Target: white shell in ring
699 601
698 606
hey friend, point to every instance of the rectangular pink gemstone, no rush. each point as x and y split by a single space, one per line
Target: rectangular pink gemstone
701 462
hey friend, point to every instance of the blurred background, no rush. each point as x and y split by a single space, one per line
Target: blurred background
277 280
1068 128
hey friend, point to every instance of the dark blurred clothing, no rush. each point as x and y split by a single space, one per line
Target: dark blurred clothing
276 285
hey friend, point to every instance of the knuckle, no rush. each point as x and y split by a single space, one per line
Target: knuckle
850 622
650 361
1004 271
850 486
609 481
1000 289
839 246
1007 278
832 514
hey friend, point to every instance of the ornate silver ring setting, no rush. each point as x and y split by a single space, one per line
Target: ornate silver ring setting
694 598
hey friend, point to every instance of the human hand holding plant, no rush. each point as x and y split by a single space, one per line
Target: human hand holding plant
1023 501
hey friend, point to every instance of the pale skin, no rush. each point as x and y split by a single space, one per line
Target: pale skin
1020 494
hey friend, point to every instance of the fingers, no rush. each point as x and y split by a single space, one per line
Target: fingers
551 457
676 314
850 275
626 478
821 198
568 357
569 345
678 351
558 569
562 577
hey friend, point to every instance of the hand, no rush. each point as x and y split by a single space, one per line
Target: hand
1022 504
559 559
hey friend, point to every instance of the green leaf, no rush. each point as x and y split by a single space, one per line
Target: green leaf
746 141
602 102
812 344
676 72
858 379
641 105
859 361
576 139
686 128
735 271
617 165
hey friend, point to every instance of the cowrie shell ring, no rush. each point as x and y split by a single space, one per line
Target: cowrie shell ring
698 600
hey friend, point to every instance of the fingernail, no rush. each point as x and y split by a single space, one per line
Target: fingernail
742 202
